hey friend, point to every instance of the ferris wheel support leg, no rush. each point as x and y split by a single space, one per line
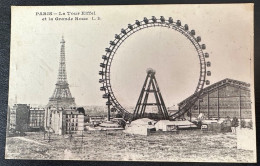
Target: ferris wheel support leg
164 110
158 102
137 108
146 98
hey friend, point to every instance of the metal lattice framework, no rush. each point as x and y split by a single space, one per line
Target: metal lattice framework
62 96
132 29
150 86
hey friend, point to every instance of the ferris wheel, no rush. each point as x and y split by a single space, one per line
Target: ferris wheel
132 29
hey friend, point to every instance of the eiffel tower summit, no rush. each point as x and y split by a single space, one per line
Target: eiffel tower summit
61 96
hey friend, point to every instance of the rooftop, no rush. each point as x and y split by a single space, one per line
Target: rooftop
227 81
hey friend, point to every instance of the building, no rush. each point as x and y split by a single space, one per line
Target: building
64 120
74 121
222 99
23 118
19 117
36 118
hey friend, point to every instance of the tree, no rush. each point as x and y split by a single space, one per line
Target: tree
250 124
234 122
243 123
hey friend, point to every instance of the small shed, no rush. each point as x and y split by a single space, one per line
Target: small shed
140 126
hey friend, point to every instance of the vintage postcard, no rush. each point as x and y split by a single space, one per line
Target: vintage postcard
170 83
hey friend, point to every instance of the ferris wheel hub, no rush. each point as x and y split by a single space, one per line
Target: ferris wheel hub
150 71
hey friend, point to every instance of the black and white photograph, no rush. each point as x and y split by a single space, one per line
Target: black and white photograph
159 83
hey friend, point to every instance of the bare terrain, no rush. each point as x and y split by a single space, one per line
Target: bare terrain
189 145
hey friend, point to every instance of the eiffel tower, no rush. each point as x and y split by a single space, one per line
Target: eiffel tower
150 86
61 96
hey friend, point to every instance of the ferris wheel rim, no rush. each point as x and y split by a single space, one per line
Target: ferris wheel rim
133 28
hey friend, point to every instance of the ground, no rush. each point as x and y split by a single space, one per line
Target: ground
189 145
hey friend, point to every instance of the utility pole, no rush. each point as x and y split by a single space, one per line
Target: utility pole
108 107
208 103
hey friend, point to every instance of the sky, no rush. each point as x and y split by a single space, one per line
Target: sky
35 51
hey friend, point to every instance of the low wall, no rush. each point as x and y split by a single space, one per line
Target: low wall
245 139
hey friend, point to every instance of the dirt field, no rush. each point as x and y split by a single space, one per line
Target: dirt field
189 145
